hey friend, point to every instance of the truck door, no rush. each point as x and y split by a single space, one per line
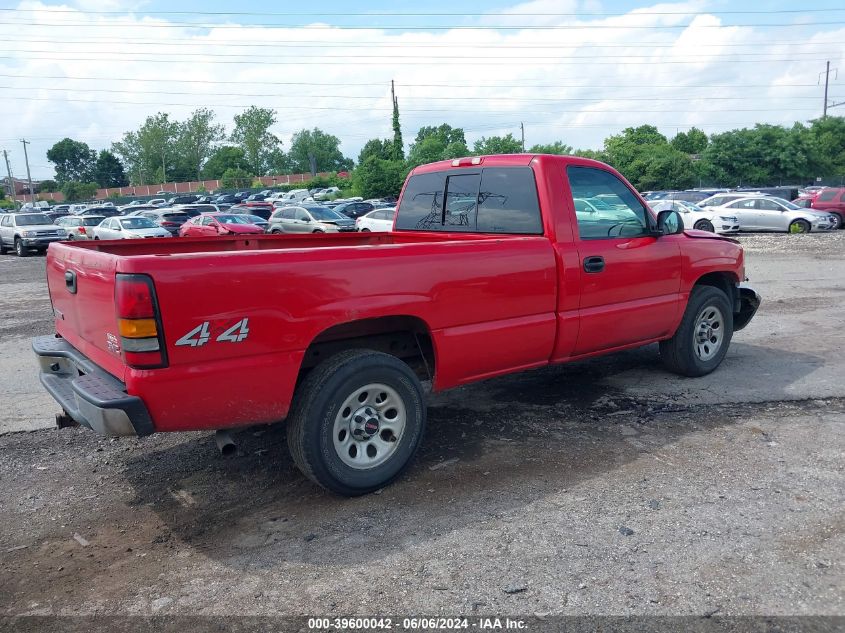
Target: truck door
630 279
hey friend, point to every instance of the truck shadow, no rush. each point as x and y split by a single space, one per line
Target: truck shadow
489 449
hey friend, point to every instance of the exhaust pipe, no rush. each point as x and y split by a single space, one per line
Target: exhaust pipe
225 444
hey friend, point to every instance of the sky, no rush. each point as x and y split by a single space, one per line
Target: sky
569 70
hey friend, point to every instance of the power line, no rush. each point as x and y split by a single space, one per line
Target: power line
410 97
591 57
368 14
440 27
387 61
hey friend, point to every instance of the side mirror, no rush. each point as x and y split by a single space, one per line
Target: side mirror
669 223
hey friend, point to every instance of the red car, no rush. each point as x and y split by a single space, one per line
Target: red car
208 224
831 200
490 269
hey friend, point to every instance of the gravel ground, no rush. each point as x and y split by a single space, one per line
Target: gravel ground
602 487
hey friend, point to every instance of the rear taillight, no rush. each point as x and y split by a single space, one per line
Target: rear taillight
170 224
81 230
139 322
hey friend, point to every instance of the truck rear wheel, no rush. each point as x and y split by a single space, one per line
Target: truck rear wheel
704 335
357 422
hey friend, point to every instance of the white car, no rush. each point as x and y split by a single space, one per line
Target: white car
767 213
377 221
127 228
695 217
327 193
721 199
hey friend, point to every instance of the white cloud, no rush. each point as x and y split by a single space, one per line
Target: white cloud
576 84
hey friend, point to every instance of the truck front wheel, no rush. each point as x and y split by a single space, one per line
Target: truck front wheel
357 422
703 337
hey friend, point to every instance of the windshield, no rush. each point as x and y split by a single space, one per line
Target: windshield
174 217
254 219
787 204
323 213
232 219
33 219
137 223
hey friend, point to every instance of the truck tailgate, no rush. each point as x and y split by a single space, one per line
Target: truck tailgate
81 283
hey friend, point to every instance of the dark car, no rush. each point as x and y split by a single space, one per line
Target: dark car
241 196
204 200
226 198
354 210
264 211
182 200
170 219
193 210
104 211
257 197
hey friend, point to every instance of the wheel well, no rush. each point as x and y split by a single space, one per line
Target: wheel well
406 337
721 280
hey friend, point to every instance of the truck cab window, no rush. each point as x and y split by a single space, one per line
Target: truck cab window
611 209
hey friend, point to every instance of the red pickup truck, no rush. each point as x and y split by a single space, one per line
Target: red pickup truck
489 270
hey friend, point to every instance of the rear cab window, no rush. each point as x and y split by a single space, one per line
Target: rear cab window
487 200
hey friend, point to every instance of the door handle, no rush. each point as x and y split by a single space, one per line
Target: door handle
594 264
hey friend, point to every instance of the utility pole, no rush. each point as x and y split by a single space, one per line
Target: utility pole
522 129
9 172
828 104
826 82
28 175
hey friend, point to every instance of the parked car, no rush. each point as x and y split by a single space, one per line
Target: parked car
309 220
180 200
157 202
131 205
209 224
336 339
805 202
138 208
296 195
226 198
376 221
193 210
100 210
721 199
262 210
204 200
326 193
80 227
76 209
257 197
695 217
767 213
127 228
170 219
24 232
63 209
832 200
354 209
241 196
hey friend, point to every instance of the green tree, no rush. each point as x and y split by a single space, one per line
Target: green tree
398 148
234 178
377 177
498 145
437 143
376 147
252 134
827 138
694 141
150 154
557 147
315 151
74 191
73 160
223 158
109 172
45 186
198 136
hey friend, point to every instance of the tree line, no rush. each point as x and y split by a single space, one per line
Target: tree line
166 150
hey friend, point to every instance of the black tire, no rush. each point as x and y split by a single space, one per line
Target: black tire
311 424
20 249
799 226
704 225
839 222
317 231
366 231
679 352
276 231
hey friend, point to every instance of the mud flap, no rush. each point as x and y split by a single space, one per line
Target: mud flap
748 301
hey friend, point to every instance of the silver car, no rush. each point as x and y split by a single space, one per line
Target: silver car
79 227
26 231
309 220
127 228
767 213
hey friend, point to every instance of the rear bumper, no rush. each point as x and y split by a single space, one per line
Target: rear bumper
747 302
89 395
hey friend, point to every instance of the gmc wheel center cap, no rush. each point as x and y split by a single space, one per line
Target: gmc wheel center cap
365 423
